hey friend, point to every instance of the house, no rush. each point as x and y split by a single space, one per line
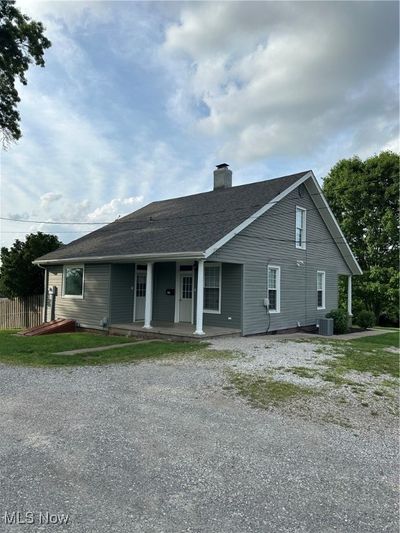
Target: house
260 257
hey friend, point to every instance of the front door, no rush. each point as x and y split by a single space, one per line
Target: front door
140 294
186 297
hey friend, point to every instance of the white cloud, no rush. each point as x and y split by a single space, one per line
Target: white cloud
50 197
116 208
283 79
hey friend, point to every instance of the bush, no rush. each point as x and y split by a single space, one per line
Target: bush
340 320
366 319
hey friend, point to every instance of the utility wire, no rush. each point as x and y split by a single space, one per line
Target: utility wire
155 219
204 222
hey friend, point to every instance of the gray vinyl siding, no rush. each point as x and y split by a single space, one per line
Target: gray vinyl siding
163 303
270 240
94 306
231 299
122 293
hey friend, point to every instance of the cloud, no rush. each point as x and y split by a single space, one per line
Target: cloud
50 197
116 208
284 79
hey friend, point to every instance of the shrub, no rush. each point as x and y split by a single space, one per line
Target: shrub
366 319
340 320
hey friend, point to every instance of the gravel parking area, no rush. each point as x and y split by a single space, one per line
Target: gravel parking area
161 447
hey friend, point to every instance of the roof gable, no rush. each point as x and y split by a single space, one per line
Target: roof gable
195 226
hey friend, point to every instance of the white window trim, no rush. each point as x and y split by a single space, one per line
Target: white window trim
212 311
323 289
73 296
278 288
303 246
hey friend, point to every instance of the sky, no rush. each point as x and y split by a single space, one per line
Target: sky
139 101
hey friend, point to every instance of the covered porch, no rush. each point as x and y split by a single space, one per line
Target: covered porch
171 330
184 298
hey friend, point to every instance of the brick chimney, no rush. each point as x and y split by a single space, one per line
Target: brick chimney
222 177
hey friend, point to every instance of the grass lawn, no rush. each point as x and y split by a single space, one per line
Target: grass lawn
368 354
264 391
40 350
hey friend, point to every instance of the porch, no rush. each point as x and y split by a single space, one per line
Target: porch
178 299
171 331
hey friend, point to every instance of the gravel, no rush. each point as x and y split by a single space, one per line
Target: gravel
161 447
260 353
364 402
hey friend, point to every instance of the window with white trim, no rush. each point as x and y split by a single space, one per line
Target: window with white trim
73 281
212 288
320 289
274 289
301 228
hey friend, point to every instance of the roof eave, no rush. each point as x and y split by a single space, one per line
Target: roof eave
170 256
341 242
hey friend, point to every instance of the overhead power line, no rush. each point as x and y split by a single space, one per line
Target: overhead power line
150 217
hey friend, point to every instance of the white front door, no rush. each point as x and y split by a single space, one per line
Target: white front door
186 297
140 294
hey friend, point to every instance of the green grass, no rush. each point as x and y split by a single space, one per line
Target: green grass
264 391
40 350
374 363
303 372
365 354
385 340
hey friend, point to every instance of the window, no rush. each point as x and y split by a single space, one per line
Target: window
212 288
274 289
73 281
300 228
320 289
141 284
187 286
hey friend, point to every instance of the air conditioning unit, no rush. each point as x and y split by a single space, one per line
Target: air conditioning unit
326 326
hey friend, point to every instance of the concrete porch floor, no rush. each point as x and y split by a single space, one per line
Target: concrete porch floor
170 330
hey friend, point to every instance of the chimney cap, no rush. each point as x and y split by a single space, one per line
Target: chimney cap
222 165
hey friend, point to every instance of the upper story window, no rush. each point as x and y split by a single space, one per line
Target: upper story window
301 228
320 289
73 285
274 289
212 288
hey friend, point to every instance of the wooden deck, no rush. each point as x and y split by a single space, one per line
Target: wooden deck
170 331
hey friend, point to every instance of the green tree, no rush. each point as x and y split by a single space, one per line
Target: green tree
364 197
21 43
18 276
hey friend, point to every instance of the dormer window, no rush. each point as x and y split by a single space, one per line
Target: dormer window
301 228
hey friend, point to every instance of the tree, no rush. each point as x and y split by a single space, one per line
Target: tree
363 196
18 276
21 43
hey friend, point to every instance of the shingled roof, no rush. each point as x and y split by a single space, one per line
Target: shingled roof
179 225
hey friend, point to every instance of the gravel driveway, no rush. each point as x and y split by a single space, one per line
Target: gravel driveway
162 447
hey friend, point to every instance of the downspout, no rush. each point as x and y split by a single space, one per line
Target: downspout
46 283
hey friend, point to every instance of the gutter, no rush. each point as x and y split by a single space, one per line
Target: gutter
170 256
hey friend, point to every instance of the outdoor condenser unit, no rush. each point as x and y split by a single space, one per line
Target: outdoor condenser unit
326 326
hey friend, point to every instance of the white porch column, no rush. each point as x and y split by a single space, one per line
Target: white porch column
349 290
200 299
148 310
